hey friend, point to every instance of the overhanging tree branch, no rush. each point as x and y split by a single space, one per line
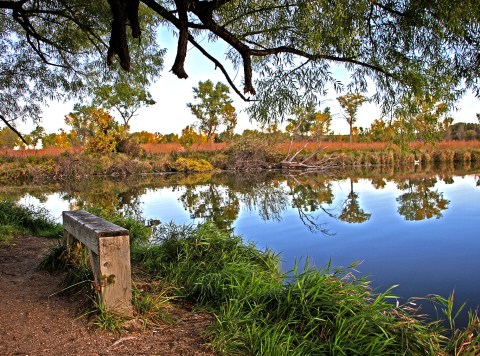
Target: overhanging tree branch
5 121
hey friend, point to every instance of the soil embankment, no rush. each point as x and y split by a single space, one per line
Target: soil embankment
35 320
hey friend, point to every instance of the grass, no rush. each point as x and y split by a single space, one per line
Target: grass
16 220
65 165
258 310
309 312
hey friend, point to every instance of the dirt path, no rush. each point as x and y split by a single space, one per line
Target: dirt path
36 321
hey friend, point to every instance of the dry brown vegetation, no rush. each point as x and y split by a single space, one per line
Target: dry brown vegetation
177 147
43 152
283 147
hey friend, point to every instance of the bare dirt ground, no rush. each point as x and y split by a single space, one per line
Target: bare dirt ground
34 320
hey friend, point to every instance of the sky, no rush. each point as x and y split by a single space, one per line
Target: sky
171 114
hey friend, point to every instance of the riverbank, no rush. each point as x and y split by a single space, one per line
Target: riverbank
255 308
57 165
38 320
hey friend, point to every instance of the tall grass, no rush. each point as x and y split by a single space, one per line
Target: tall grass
208 265
18 220
259 311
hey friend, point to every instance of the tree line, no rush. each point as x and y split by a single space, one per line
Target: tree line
97 130
107 54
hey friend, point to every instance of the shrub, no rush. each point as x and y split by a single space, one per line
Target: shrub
191 165
251 154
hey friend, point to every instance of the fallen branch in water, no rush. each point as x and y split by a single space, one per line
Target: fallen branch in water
308 163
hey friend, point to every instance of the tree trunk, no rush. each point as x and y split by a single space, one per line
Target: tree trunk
351 131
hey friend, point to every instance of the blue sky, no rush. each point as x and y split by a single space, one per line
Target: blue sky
170 113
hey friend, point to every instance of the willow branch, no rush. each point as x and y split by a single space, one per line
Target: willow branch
5 121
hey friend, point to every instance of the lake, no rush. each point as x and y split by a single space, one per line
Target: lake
415 228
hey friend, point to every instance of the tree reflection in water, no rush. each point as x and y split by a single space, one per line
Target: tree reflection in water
213 203
351 211
218 197
309 194
421 201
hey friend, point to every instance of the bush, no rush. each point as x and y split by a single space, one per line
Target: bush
129 146
191 165
251 154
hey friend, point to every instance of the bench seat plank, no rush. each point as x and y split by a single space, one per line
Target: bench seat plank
87 228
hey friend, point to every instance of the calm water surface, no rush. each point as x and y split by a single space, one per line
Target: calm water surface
418 229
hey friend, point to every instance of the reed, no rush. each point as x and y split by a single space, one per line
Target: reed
18 220
259 311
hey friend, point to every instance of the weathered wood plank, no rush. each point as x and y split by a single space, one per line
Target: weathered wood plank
109 249
115 273
87 228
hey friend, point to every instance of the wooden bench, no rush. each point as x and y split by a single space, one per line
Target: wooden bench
109 248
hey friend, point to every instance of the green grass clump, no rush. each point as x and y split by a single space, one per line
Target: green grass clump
18 220
209 265
152 302
259 311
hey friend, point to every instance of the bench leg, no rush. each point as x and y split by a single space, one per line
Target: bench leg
67 238
115 273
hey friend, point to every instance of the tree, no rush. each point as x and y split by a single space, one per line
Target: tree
61 140
190 136
8 138
321 125
422 119
305 118
34 137
213 108
127 92
56 50
380 131
284 49
146 137
350 104
95 127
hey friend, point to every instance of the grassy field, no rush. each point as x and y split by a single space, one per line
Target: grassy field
283 147
59 164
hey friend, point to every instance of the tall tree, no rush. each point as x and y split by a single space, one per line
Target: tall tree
423 119
284 49
304 119
350 103
127 92
35 136
94 128
322 124
8 138
213 108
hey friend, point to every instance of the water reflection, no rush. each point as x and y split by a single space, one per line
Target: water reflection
374 216
421 201
310 194
212 203
219 198
351 210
